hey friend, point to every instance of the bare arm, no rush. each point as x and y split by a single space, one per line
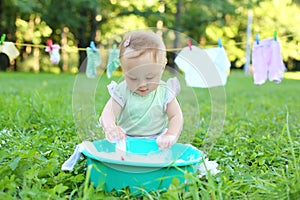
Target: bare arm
108 121
175 118
175 125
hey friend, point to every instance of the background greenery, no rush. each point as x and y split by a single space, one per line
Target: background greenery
74 23
258 151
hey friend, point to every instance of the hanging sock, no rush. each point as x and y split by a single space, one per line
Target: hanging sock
54 53
113 61
93 61
10 50
202 67
267 61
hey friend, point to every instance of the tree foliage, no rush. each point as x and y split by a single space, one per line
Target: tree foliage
204 21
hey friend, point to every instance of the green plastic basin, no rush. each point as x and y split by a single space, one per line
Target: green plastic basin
143 167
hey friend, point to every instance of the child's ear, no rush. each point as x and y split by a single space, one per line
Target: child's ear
164 64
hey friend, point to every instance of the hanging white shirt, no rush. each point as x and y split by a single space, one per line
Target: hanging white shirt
203 68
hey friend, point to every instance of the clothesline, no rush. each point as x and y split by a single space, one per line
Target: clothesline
207 56
168 49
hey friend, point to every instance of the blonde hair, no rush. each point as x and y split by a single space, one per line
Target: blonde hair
139 42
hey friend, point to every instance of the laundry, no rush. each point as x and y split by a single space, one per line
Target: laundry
10 50
267 61
221 61
54 53
93 61
69 164
203 68
113 61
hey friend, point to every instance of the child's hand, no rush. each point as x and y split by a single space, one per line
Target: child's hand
165 141
114 134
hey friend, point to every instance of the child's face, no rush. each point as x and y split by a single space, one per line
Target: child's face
142 74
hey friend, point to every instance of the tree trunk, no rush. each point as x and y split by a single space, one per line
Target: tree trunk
176 43
36 57
94 24
86 34
248 45
1 17
8 25
64 53
177 24
36 51
4 62
82 43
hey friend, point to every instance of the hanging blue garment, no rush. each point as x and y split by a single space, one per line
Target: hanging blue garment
93 61
113 61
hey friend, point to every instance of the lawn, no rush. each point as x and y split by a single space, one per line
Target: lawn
258 151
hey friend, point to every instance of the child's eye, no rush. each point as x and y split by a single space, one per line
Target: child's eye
149 77
132 78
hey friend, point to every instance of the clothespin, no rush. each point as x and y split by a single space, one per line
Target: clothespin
50 44
2 39
92 46
275 36
189 43
220 42
257 38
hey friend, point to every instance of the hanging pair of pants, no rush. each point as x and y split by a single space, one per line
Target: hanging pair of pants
267 61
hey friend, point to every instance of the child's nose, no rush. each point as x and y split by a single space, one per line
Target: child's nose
142 83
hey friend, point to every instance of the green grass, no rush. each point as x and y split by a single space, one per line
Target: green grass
258 151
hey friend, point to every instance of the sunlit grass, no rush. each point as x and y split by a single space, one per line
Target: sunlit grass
258 151
292 75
